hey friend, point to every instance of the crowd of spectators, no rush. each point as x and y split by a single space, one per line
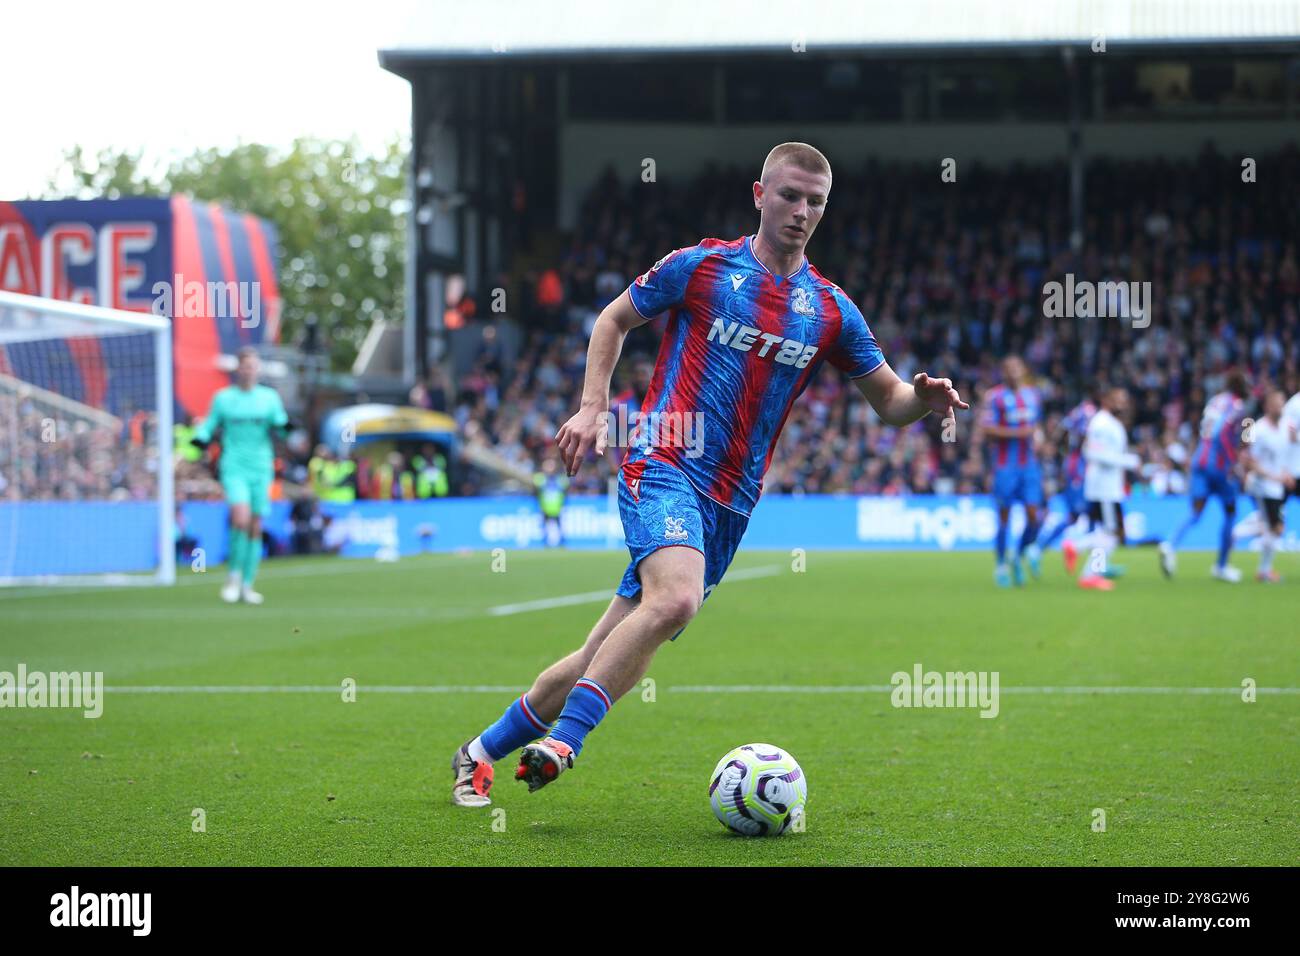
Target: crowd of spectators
51 452
409 472
950 277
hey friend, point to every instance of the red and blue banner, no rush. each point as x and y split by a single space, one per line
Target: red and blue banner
209 269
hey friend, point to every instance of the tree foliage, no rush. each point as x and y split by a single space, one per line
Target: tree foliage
340 214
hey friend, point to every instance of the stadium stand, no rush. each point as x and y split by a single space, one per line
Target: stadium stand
948 276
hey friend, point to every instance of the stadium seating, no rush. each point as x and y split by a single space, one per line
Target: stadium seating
950 276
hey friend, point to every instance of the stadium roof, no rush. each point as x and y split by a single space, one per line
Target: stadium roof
485 29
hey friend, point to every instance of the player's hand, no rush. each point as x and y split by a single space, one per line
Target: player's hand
586 431
198 442
937 394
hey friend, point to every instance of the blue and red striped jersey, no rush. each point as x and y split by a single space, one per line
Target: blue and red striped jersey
741 344
1012 408
1221 431
1075 426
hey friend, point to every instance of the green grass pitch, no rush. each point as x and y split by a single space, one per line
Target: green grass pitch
302 777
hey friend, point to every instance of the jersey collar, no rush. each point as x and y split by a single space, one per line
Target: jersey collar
749 247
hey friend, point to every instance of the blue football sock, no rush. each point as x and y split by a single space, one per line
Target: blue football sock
517 726
585 707
1027 537
1057 530
1183 528
1001 543
1225 541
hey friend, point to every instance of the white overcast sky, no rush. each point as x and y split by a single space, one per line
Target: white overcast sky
168 77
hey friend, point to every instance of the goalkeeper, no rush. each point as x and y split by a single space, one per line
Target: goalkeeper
248 415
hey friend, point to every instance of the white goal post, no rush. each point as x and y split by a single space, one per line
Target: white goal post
86 472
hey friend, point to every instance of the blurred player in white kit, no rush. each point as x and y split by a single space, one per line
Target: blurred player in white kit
1105 451
1269 464
1291 419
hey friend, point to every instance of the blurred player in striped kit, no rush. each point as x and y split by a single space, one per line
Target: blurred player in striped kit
1012 412
1214 466
1073 427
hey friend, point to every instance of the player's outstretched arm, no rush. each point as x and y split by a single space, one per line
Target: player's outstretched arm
1099 448
586 430
899 403
280 423
1252 465
1008 431
206 430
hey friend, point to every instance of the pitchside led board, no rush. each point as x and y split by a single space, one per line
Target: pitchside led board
211 270
375 529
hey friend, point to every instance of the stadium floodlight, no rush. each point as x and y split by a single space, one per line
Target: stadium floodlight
86 474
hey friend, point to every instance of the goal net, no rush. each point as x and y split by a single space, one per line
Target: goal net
85 444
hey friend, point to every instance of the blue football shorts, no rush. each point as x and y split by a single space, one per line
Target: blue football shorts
660 508
1023 483
1212 483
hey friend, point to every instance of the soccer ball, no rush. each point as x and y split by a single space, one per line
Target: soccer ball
758 790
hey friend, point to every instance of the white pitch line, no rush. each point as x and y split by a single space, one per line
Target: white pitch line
241 614
591 597
1004 689
424 562
308 689
682 689
587 597
748 574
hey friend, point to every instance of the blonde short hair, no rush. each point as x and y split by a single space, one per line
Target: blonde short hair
805 157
